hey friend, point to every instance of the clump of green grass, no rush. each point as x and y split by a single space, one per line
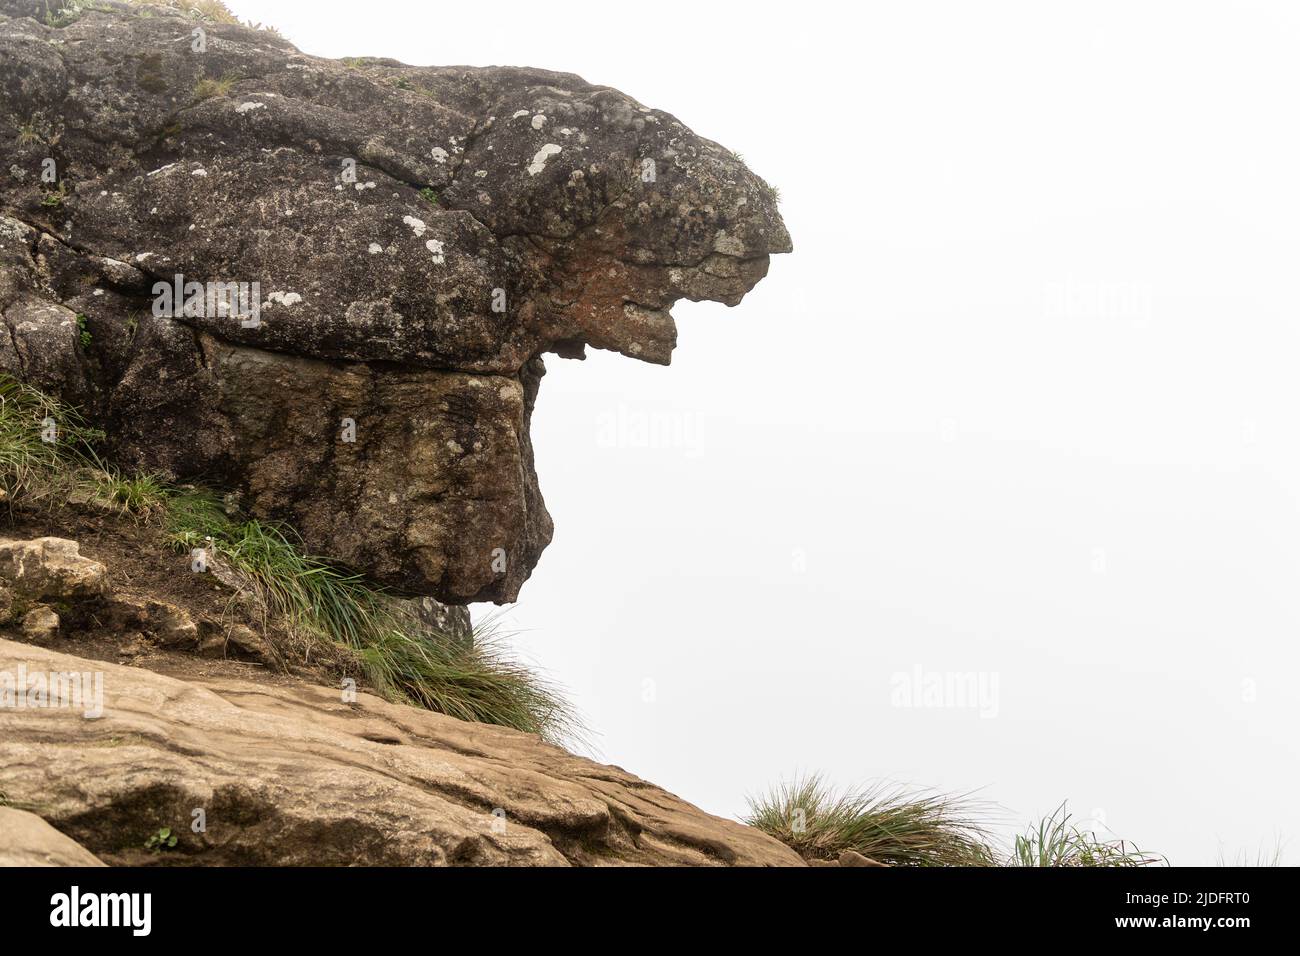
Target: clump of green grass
43 444
895 826
397 654
886 823
208 87
429 195
1055 841
142 496
325 608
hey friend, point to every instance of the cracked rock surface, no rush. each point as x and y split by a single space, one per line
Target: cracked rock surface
419 236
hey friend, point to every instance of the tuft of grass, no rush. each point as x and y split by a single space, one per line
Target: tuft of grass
399 656
329 611
884 822
43 444
141 496
429 195
84 338
208 87
893 825
1054 841
1263 857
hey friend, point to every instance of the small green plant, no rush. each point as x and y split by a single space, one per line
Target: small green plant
353 62
55 197
1054 841
164 839
429 195
27 134
83 334
402 83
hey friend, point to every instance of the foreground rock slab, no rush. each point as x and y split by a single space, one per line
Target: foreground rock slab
27 840
296 776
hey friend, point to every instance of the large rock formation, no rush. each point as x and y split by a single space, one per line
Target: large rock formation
283 775
419 238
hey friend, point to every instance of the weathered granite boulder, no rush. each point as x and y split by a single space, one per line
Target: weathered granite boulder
45 569
419 237
272 774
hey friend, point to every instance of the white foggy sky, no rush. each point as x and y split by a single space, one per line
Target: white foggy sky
1023 399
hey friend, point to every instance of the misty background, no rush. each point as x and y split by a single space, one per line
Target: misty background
994 484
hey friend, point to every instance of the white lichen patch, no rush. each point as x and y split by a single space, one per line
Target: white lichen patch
519 113
728 245
480 173
435 246
199 172
248 107
375 249
543 154
417 225
368 184
539 121
282 298
439 154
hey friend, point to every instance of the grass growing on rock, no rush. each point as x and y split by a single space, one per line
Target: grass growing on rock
1054 841
883 822
48 457
895 826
